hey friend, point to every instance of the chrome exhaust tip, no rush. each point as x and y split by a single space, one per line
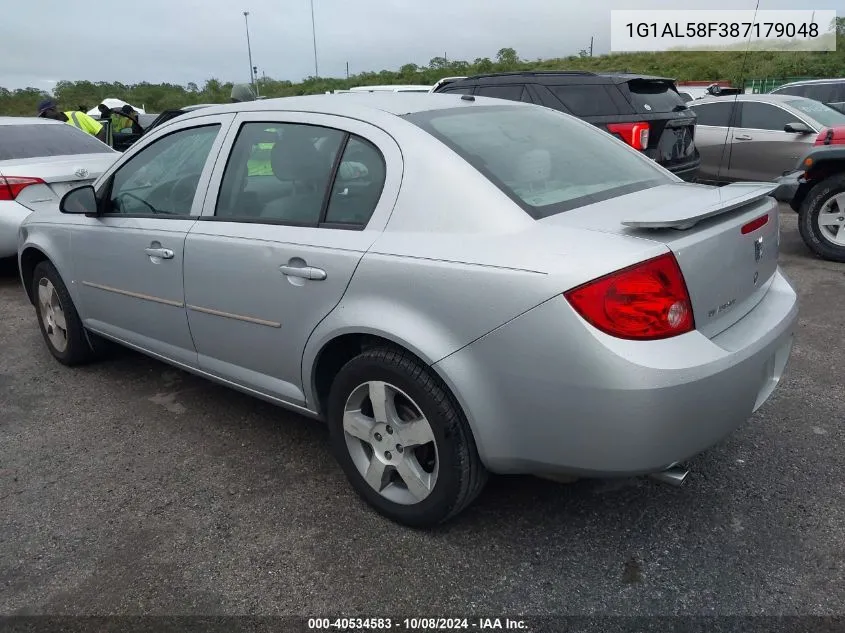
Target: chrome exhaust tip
675 475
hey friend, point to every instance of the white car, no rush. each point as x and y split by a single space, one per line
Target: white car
40 161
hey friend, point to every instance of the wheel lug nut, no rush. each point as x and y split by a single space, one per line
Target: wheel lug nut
389 430
378 437
399 448
387 455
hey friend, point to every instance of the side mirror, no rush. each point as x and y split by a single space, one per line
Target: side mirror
797 128
81 200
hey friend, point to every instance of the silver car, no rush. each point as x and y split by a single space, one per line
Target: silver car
40 160
456 285
757 137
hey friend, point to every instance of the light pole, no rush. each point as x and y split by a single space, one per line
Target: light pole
249 51
314 34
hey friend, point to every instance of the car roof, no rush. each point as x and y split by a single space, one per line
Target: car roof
805 82
564 75
27 120
355 104
763 98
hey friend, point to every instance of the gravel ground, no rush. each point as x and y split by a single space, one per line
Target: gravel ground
129 487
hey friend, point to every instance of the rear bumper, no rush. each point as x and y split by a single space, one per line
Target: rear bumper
12 216
582 402
687 171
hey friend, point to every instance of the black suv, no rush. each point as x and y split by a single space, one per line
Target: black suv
645 112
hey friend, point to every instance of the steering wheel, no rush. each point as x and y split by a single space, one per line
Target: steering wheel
126 194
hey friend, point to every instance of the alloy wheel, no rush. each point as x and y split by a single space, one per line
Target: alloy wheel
391 442
52 315
832 220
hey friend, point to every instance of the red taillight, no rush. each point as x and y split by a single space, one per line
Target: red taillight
11 186
755 224
646 301
634 134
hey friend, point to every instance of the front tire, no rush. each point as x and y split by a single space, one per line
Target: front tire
821 219
60 324
402 440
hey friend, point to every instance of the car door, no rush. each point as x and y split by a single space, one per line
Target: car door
761 149
712 138
275 249
128 259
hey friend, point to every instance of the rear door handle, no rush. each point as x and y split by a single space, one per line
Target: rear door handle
743 137
304 272
163 253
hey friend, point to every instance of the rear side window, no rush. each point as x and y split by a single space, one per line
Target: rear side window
654 96
42 140
586 100
513 92
714 114
545 161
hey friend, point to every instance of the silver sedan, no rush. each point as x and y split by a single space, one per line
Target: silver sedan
456 285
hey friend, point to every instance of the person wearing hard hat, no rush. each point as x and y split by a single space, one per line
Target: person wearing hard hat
48 109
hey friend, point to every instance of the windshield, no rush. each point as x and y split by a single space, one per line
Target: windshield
41 140
655 96
545 161
825 115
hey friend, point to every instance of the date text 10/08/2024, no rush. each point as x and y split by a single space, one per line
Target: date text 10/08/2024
416 624
681 30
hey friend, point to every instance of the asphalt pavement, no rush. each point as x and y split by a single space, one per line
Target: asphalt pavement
129 487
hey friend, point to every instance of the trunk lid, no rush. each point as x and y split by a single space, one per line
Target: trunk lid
59 173
728 264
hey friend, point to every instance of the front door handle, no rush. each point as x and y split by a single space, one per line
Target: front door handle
743 137
304 272
163 253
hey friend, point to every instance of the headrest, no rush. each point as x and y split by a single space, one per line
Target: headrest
294 157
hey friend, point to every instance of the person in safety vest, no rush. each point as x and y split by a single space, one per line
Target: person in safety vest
49 110
124 119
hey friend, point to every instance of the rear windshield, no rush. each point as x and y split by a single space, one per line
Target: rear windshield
654 96
822 113
546 161
40 140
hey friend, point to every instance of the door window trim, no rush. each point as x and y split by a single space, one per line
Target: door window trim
349 128
104 184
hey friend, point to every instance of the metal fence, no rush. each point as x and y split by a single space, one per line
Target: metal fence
762 86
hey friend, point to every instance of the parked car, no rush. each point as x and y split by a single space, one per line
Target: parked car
645 112
831 92
816 191
757 137
501 287
40 160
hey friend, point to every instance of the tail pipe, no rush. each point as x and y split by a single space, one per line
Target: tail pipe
675 475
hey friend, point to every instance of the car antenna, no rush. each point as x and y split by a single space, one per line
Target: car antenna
467 98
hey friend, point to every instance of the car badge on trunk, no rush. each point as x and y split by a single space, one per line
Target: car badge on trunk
758 249
81 172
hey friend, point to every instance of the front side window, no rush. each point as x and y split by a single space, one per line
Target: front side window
162 178
547 162
512 93
763 116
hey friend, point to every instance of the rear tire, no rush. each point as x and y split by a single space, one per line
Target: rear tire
58 320
820 238
416 447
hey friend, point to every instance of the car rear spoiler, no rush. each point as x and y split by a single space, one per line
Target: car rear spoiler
701 204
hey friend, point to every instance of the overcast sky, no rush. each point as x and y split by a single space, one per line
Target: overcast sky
180 41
